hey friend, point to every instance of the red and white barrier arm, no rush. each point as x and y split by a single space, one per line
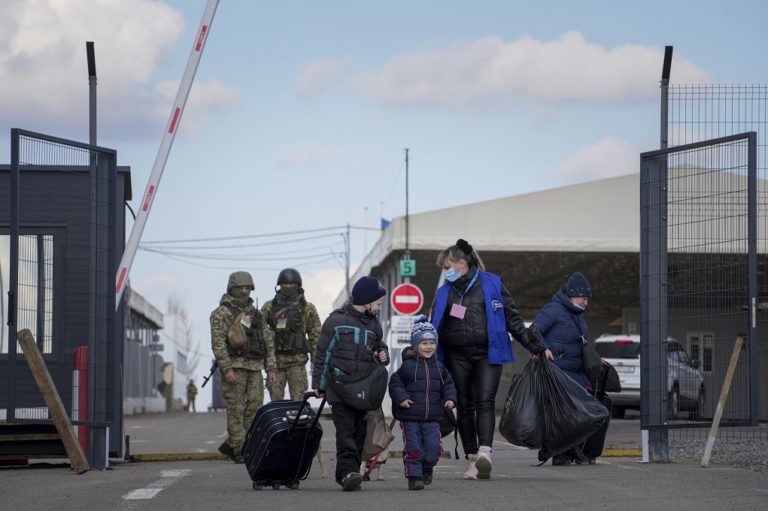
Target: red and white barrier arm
165 147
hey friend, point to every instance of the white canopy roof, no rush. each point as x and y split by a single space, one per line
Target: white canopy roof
597 216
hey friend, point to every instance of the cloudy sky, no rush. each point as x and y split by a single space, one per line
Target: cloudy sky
300 112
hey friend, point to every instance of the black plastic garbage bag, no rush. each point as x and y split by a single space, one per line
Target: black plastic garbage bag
521 421
570 414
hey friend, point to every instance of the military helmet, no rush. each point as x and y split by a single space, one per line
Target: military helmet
240 278
289 276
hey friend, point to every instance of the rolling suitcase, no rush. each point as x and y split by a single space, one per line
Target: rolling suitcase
281 442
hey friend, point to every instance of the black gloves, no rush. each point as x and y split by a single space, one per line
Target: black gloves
535 344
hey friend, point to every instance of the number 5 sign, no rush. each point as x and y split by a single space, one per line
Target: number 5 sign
408 268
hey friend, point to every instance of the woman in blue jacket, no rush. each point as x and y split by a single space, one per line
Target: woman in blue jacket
474 315
563 328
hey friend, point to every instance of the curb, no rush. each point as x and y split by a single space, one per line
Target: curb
179 456
621 453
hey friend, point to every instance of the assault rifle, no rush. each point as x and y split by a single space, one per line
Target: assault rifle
214 366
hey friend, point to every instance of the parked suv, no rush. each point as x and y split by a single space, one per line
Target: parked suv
685 384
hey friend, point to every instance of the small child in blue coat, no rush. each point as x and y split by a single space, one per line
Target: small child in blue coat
420 389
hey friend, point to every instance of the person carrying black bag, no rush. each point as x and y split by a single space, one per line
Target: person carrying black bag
563 329
474 315
351 343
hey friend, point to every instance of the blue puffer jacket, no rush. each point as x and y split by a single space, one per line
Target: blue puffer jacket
556 322
427 383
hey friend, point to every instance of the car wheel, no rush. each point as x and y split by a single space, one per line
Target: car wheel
673 404
618 412
698 407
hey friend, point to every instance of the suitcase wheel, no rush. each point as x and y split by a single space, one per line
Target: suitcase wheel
293 485
258 486
276 486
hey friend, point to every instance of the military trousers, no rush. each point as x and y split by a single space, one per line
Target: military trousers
296 377
244 398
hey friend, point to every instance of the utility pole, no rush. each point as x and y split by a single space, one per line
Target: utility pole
346 262
407 254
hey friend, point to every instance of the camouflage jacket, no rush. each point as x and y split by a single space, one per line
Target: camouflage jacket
221 319
311 330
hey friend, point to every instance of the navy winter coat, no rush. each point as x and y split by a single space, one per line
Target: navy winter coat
556 322
427 383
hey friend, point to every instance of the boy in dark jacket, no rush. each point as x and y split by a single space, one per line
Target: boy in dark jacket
351 340
420 389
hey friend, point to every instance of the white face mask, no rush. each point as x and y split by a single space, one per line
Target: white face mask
580 307
451 275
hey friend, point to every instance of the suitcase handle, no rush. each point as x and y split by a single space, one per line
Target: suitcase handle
305 399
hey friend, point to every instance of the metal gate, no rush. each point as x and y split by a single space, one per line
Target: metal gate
698 258
62 255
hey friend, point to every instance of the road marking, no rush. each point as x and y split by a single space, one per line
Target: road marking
167 478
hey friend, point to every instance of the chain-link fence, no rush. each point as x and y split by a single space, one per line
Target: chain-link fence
709 271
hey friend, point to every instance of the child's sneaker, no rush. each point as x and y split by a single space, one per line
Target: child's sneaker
415 483
484 464
427 477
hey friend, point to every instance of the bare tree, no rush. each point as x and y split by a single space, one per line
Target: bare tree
186 341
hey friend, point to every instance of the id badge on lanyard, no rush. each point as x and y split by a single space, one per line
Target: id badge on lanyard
458 310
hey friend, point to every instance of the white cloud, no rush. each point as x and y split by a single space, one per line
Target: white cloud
43 63
491 71
322 287
319 75
157 284
309 155
607 158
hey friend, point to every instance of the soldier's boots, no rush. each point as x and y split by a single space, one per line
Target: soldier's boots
227 451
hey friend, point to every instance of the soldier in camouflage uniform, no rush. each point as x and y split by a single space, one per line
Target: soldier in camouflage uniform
243 346
296 326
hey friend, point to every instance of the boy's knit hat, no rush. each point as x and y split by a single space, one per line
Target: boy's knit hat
422 331
367 290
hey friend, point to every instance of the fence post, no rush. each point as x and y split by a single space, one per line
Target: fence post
80 393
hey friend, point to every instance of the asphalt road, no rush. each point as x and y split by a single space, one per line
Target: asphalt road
621 483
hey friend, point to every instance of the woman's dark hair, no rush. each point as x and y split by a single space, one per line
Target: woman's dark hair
461 250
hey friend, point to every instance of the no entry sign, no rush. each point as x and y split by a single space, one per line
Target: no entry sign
406 299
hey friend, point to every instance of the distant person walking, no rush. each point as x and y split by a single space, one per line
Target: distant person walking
351 341
191 395
296 327
243 346
474 314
